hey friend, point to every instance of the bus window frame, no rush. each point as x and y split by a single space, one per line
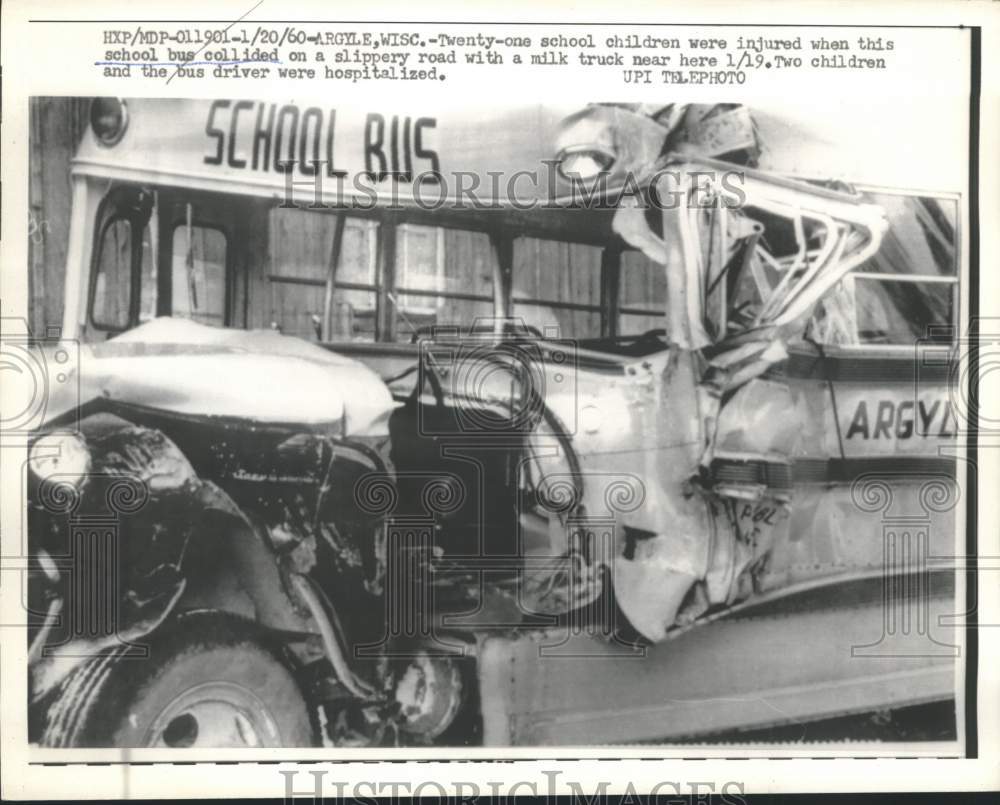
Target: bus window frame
954 279
122 203
171 215
329 282
227 280
501 235
631 310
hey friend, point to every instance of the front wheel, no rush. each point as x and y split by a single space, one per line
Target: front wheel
207 682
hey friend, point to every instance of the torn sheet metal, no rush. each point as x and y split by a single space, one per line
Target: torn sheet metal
636 441
747 256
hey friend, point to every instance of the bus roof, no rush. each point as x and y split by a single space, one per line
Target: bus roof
377 156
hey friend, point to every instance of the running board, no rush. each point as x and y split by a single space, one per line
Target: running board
779 666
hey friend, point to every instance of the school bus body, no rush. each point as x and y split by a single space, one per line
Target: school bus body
811 485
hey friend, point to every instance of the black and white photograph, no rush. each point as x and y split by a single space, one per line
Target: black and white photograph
428 402
531 427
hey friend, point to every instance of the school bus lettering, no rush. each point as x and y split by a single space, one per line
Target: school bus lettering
268 137
903 420
400 159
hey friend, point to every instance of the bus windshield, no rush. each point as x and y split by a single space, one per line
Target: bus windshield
447 277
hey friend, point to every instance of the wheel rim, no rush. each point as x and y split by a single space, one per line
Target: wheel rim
214 714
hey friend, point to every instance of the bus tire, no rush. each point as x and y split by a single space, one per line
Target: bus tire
207 682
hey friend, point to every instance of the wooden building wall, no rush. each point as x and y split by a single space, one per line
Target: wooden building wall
56 126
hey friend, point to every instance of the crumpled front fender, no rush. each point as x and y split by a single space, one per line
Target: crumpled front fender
135 539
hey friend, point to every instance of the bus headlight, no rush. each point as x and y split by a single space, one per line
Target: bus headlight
108 119
583 162
586 145
612 139
63 454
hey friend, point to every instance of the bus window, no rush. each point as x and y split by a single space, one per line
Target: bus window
641 295
148 286
113 280
198 276
301 245
908 291
557 287
890 312
444 277
302 249
355 298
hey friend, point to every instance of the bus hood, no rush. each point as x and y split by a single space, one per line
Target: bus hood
188 368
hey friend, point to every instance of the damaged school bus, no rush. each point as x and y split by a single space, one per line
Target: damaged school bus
656 445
